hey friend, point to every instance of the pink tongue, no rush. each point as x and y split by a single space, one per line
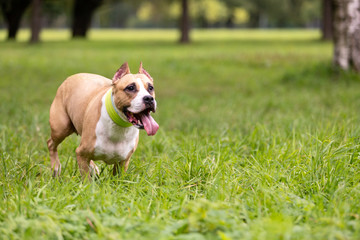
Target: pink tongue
149 123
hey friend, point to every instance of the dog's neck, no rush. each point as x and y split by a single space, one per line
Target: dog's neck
113 111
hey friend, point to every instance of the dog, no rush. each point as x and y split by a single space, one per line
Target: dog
107 114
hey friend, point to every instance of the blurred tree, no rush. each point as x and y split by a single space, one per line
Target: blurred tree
158 13
231 5
236 13
115 14
257 10
347 34
209 12
145 12
13 10
184 22
326 23
281 13
203 13
35 21
56 13
82 13
159 5
310 14
240 16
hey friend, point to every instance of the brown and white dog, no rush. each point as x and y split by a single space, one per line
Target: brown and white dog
107 114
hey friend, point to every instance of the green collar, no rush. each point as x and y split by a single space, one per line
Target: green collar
112 110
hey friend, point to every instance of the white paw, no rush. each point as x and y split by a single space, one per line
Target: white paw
94 170
57 171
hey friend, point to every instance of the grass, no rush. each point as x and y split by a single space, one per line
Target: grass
258 139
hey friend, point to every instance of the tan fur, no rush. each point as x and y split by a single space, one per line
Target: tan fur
76 108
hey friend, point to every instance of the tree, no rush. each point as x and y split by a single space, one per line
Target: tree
13 10
82 14
231 5
35 21
326 24
347 34
156 12
280 13
184 22
208 13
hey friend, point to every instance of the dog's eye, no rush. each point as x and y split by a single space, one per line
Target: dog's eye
131 88
150 87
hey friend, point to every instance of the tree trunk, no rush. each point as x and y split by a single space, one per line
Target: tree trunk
347 34
13 10
185 22
341 46
230 21
35 21
82 14
354 34
327 19
254 21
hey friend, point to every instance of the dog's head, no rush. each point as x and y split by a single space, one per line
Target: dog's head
134 97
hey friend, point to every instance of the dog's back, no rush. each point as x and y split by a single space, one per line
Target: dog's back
74 94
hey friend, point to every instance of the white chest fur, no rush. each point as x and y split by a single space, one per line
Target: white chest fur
113 143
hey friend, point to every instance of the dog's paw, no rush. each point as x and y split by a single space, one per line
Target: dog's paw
56 171
94 170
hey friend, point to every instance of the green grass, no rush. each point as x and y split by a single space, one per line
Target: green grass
258 139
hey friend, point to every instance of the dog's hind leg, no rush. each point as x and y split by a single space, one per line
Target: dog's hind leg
55 163
61 127
116 169
123 165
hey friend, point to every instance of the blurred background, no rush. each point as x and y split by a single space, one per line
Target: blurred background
338 20
333 17
80 15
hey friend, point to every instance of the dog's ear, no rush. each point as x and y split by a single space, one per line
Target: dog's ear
143 71
122 71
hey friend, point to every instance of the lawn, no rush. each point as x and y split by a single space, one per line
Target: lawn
258 139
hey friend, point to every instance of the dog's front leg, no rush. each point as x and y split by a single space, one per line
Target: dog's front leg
83 163
94 169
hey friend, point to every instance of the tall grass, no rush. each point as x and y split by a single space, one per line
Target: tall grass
258 139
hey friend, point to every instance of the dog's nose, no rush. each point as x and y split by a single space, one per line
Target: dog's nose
148 99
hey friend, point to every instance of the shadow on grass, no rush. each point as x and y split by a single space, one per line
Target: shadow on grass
319 75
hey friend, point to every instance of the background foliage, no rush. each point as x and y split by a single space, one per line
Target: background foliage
204 13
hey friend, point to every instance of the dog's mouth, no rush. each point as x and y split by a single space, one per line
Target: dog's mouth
142 120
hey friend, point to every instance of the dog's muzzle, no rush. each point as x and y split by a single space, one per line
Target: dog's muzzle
149 103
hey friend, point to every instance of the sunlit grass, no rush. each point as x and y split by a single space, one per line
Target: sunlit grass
173 34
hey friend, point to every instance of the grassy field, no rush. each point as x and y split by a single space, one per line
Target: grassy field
258 139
